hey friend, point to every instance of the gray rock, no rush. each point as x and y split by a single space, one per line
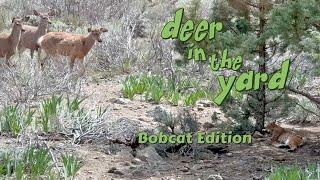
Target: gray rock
137 173
111 170
122 101
118 172
215 177
136 161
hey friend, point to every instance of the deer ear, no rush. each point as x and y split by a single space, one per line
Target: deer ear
36 13
51 12
26 18
13 19
103 30
89 29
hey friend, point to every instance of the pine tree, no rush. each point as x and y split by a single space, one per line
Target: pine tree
272 29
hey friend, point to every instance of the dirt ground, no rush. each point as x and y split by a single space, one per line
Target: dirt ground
242 161
103 161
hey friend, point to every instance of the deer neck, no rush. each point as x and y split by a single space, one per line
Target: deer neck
88 43
42 28
15 36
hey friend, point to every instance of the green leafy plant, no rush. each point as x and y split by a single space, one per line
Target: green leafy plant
129 89
20 170
192 98
74 104
156 93
49 109
37 162
70 166
295 173
14 120
174 99
7 162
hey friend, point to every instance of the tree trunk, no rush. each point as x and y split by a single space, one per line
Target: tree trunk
261 109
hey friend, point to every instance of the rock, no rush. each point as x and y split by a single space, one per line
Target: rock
214 177
114 170
159 113
148 154
111 170
205 103
229 154
121 101
137 173
136 161
207 125
125 129
118 172
116 108
184 169
279 158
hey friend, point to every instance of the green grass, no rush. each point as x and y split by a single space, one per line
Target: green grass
74 105
37 162
49 109
156 88
33 163
70 166
13 120
192 98
312 172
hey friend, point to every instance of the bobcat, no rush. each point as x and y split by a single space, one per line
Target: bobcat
285 136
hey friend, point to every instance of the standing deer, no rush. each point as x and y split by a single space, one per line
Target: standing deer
32 34
74 46
9 42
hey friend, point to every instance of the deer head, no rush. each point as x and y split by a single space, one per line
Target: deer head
96 33
45 17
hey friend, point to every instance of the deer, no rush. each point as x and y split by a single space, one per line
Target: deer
30 37
73 46
9 42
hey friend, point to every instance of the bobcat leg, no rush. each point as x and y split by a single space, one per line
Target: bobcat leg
292 146
274 137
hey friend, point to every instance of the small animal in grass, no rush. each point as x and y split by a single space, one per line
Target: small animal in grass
285 137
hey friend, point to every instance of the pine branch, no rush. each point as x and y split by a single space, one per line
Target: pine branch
313 99
311 112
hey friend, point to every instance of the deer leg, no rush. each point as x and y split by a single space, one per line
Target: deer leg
71 64
31 53
7 60
41 62
82 68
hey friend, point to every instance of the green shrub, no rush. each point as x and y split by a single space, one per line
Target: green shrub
70 166
312 172
129 88
49 110
192 98
37 162
175 98
156 93
14 120
74 104
156 87
155 90
7 163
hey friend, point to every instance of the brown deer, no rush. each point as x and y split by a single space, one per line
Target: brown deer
74 46
30 37
9 42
